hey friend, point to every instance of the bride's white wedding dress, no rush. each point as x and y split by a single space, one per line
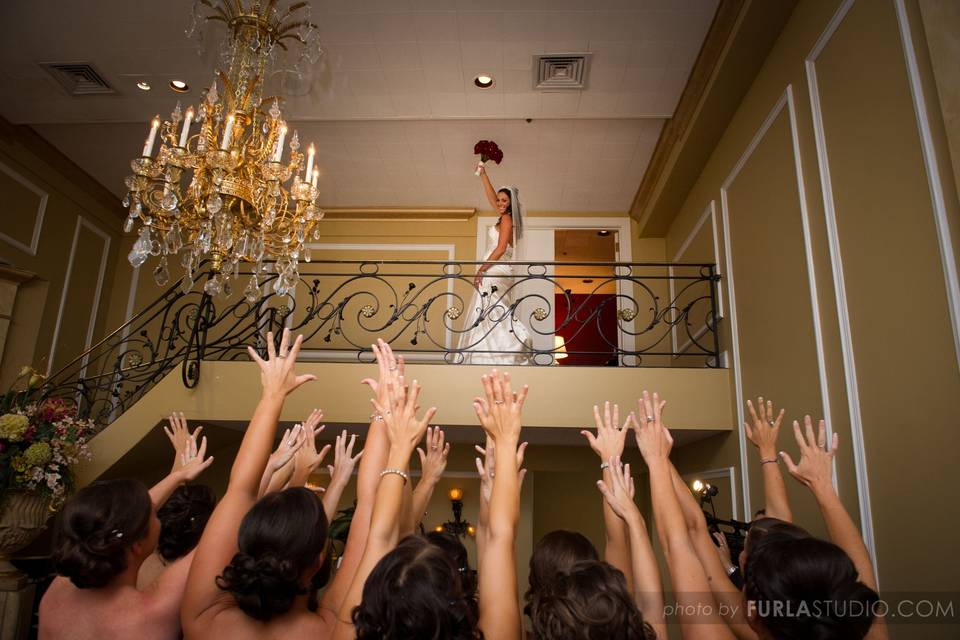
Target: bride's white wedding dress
491 324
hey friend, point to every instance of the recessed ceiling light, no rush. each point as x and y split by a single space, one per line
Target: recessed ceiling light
483 81
603 233
143 85
179 86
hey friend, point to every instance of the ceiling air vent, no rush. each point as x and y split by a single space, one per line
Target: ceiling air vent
561 71
78 78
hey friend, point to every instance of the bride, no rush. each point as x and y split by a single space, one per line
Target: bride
493 334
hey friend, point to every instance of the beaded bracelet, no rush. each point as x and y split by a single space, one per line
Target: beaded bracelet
376 416
400 472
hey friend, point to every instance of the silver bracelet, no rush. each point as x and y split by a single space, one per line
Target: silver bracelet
604 465
400 472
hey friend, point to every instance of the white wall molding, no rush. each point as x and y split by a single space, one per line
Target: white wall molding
315 354
836 262
709 213
785 100
41 210
95 306
947 253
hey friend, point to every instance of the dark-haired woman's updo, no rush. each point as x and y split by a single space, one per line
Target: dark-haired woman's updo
280 538
415 592
182 520
458 554
555 553
806 589
97 527
588 601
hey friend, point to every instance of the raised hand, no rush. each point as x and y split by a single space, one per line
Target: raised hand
307 459
343 459
193 460
290 443
765 428
433 461
180 437
815 468
390 368
653 438
500 410
608 443
619 493
277 376
404 429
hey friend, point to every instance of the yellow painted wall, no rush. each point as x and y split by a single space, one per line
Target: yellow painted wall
763 177
38 194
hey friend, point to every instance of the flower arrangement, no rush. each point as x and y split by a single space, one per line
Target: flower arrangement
488 150
40 440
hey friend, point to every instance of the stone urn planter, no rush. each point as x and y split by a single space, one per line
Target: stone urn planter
22 517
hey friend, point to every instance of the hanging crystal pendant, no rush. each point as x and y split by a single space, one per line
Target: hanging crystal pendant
252 291
128 224
161 275
173 240
213 286
214 203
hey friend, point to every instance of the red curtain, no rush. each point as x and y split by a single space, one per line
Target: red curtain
585 331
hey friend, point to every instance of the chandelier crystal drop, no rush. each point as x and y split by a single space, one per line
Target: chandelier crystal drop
218 188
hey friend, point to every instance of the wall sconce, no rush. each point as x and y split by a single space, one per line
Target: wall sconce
458 526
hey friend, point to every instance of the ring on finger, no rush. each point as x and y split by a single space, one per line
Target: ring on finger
649 418
498 402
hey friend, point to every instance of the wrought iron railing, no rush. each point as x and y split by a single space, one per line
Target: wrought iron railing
613 314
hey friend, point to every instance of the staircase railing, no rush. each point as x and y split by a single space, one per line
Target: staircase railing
612 314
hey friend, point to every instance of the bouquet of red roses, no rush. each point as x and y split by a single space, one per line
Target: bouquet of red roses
488 150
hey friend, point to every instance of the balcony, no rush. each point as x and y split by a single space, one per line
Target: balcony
592 330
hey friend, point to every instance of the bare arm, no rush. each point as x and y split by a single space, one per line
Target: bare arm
608 444
686 574
499 413
488 189
433 462
728 596
218 543
404 431
376 449
763 434
340 472
815 471
618 493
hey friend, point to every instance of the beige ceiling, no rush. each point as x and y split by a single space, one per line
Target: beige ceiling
404 68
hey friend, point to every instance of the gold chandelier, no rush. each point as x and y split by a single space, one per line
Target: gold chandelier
224 192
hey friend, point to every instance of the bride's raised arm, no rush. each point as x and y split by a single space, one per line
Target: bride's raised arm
488 188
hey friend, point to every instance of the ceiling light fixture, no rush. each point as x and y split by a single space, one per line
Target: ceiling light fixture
483 81
179 86
143 85
603 234
224 191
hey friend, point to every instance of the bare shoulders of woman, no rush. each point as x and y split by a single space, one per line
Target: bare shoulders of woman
233 623
69 612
